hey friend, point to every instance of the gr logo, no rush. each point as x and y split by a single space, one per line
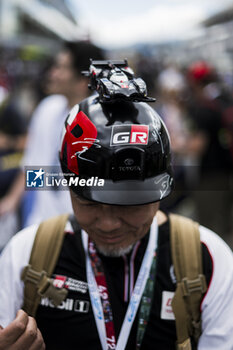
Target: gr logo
129 135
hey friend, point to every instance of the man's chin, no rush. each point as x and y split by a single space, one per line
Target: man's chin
114 252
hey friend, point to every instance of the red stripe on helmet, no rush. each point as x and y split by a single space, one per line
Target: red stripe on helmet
77 145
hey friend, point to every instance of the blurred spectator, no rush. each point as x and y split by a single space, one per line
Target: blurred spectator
146 68
68 87
228 125
4 80
206 107
13 130
171 80
186 141
171 87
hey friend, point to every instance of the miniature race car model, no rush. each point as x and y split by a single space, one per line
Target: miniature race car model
115 79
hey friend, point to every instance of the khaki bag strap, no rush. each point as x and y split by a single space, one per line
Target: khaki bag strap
191 283
36 275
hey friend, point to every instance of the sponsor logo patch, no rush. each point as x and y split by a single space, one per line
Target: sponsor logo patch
166 308
70 283
69 304
129 135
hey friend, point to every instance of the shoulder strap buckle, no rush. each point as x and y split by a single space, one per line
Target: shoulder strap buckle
44 285
56 295
30 275
194 285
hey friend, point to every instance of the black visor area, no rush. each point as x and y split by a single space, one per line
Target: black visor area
130 192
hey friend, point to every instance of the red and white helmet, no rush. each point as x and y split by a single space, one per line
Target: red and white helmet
124 143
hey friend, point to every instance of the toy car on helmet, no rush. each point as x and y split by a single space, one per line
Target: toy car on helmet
115 80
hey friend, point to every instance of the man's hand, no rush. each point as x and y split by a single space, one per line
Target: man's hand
21 334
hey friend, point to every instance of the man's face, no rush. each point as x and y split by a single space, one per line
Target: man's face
62 76
114 229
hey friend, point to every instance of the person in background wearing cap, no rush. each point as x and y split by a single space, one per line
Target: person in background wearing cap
115 234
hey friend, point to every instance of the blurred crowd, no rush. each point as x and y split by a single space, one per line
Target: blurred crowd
198 110
193 100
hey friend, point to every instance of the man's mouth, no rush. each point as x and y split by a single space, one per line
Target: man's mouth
111 239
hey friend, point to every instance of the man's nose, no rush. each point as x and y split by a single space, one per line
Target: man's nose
109 220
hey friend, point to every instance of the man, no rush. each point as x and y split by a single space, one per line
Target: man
67 87
116 236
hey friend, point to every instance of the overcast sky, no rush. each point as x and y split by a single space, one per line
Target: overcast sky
126 22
